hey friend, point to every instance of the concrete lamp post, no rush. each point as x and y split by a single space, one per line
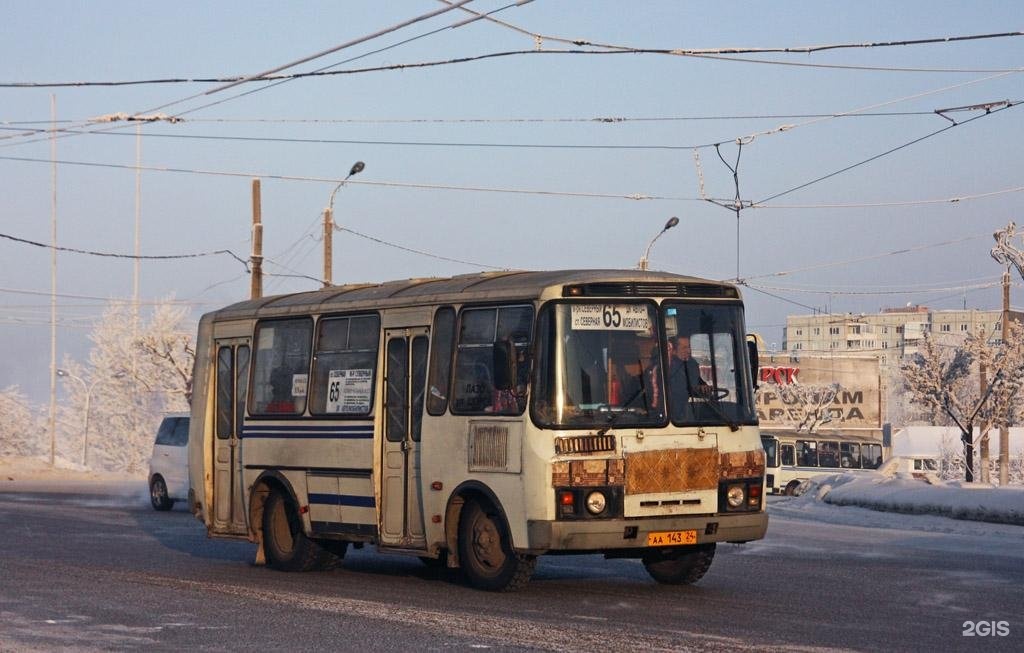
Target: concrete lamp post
88 387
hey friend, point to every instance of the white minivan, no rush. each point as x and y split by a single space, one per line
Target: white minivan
168 466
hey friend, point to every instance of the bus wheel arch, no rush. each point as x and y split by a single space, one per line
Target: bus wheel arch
484 544
791 487
267 483
469 490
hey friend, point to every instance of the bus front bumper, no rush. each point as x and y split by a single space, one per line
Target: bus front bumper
617 534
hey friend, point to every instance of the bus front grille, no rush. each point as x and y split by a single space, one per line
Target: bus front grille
671 470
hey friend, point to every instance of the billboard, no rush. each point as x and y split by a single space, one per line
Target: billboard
819 393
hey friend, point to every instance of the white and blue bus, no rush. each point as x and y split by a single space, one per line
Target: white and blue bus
794 457
480 421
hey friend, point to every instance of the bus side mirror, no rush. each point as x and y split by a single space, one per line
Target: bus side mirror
755 364
505 373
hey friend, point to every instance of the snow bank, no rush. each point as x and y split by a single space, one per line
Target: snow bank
905 494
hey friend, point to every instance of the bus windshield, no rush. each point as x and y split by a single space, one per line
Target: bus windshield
604 364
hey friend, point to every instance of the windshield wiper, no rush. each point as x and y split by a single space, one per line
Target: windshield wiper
715 404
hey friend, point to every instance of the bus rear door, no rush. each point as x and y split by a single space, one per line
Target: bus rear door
232 384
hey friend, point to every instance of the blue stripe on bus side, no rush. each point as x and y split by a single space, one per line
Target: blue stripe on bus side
343 500
339 432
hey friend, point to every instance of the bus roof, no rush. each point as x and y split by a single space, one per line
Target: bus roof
483 286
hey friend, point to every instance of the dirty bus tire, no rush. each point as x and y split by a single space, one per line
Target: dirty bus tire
485 551
286 546
158 494
679 566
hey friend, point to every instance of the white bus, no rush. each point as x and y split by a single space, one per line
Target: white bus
794 457
480 421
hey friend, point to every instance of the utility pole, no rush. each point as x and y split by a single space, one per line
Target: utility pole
1004 431
53 280
1008 255
256 259
328 246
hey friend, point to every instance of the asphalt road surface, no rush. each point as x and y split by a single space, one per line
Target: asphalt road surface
86 573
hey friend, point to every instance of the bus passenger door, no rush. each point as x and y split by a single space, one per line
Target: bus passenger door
232 383
405 375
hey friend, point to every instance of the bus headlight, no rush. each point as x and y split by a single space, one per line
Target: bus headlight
735 496
596 502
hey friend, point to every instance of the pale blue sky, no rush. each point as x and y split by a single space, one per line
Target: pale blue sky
186 213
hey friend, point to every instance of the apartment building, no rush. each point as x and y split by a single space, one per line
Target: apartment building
889 335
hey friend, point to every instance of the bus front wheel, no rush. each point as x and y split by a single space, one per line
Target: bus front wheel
791 489
679 567
485 551
286 546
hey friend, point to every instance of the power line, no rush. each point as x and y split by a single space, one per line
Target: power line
418 251
721 54
383 184
804 49
886 153
303 60
915 291
866 205
161 257
779 297
324 69
322 53
873 257
334 141
581 119
526 120
125 300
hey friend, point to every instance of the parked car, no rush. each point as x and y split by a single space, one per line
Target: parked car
168 466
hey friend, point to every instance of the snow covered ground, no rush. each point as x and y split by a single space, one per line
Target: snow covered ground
824 496
881 499
36 475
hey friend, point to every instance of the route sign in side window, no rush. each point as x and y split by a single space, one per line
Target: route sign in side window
344 365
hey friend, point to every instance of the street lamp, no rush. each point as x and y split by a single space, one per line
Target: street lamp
88 387
357 167
642 265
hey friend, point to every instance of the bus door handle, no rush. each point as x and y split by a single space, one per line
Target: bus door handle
406 445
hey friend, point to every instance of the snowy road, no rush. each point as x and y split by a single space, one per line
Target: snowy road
99 573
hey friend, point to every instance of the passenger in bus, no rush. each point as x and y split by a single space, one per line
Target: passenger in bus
281 399
684 380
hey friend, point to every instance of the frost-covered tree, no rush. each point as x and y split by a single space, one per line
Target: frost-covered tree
22 432
169 351
944 376
135 372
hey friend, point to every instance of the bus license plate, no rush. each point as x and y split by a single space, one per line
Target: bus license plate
671 538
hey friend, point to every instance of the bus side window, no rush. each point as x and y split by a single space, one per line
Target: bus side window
281 367
872 456
788 454
443 338
828 454
849 455
808 453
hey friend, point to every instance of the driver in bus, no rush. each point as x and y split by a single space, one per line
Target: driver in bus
684 380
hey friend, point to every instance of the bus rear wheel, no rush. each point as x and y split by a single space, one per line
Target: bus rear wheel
485 551
286 546
679 566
